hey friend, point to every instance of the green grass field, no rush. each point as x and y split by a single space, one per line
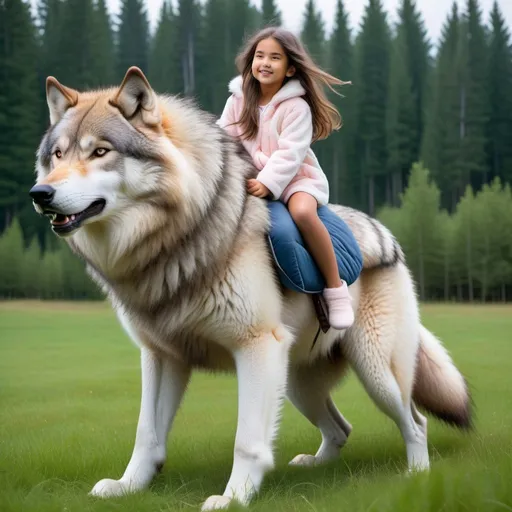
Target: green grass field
69 399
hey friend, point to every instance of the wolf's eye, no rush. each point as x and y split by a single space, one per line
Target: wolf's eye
99 152
58 153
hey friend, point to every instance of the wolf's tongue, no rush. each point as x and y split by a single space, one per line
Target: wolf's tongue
60 220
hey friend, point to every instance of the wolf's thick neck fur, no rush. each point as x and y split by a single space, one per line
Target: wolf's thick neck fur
190 238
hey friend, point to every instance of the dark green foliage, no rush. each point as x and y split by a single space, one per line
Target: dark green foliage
132 37
19 107
103 45
185 51
164 67
406 97
499 127
216 57
339 163
372 78
401 125
313 33
474 100
270 14
450 109
440 148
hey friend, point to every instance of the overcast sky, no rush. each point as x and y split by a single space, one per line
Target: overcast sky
434 11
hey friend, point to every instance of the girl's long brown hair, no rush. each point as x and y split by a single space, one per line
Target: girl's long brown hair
326 117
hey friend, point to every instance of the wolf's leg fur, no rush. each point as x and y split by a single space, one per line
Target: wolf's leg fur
261 366
383 388
420 420
163 385
308 391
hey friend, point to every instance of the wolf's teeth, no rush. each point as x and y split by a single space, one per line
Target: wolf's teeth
72 217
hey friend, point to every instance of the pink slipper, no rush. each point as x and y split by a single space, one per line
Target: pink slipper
339 304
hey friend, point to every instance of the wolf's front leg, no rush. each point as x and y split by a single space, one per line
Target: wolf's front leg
163 384
261 366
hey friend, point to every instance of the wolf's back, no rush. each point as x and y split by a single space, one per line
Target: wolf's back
378 245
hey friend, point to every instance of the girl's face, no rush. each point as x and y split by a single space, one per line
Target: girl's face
270 64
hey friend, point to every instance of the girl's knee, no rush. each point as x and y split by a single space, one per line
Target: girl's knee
303 208
303 215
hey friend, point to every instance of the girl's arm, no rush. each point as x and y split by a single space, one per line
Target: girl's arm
293 144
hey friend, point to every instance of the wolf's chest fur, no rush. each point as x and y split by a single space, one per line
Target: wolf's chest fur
202 320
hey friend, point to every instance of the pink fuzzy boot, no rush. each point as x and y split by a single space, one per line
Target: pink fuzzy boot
339 304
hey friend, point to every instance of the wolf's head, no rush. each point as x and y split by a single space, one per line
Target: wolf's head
105 151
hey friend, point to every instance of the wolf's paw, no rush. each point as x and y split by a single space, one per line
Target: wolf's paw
304 460
216 503
108 488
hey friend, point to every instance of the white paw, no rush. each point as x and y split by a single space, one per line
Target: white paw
216 503
304 460
418 468
108 488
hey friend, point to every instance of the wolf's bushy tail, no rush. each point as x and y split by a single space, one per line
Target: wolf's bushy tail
439 387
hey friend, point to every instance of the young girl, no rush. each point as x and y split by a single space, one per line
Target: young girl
277 109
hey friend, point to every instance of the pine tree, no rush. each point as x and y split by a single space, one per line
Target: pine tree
423 245
50 14
240 26
416 53
372 78
313 33
31 270
188 23
499 127
473 99
132 37
52 281
441 141
313 39
164 68
401 125
20 106
491 246
77 54
11 261
255 18
215 57
340 168
49 21
408 74
271 16
464 243
103 46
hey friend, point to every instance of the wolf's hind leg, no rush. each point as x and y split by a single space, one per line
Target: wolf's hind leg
261 366
163 384
308 390
383 387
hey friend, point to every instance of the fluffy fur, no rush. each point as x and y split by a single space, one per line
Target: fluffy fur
180 250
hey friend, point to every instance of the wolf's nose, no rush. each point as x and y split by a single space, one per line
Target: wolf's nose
42 194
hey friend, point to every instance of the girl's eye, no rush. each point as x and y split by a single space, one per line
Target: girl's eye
58 153
99 152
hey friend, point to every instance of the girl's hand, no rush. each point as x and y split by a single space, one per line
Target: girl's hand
256 188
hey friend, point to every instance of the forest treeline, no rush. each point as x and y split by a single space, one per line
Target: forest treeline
442 105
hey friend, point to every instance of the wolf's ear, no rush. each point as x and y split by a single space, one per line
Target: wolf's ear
59 99
135 96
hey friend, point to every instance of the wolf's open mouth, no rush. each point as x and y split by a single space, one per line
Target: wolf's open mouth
62 223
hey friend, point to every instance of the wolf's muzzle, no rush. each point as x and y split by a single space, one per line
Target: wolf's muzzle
42 194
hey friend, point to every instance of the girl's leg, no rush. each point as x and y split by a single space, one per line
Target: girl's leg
303 209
